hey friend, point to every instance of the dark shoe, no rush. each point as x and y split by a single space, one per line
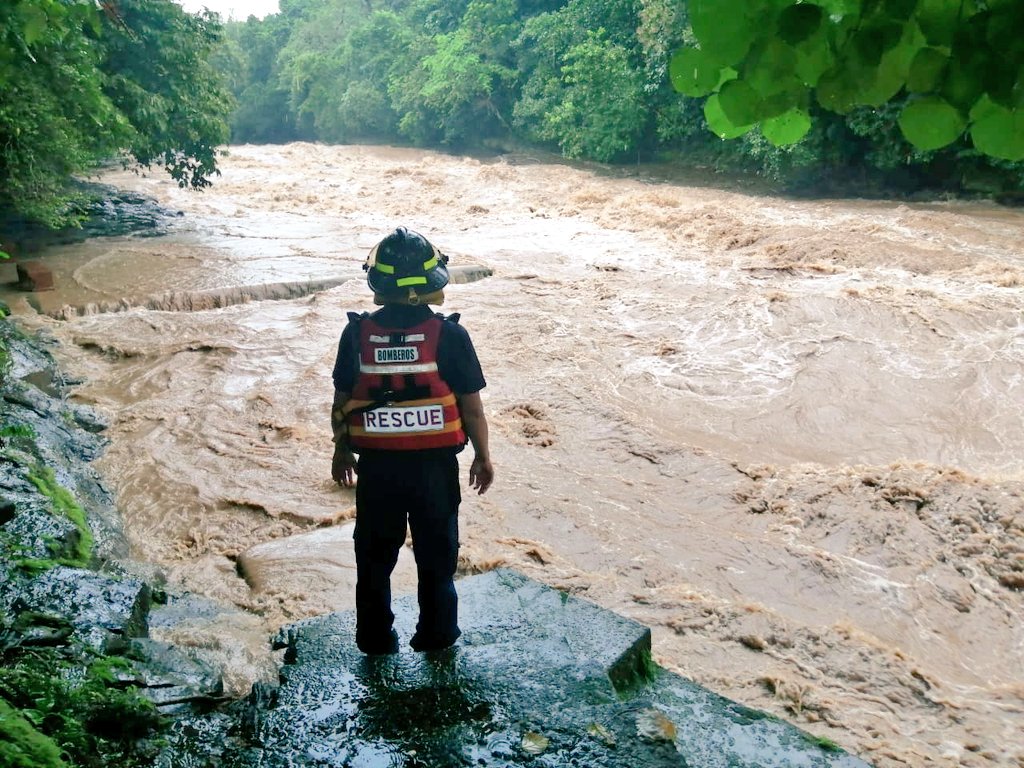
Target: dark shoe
422 644
380 646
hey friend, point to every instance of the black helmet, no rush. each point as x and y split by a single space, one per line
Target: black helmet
405 264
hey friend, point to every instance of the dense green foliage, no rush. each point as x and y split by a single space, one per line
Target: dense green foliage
812 93
910 92
83 82
63 704
54 713
952 67
21 745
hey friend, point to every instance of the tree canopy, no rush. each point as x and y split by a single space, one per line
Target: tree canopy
83 82
951 66
908 92
926 90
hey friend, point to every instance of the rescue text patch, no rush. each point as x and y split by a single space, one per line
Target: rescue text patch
417 418
396 355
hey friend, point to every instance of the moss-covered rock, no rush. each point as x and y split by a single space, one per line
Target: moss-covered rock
22 746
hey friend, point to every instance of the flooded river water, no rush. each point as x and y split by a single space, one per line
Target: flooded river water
786 435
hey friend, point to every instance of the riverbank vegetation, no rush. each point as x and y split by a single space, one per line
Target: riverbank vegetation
839 95
85 83
66 713
65 701
815 96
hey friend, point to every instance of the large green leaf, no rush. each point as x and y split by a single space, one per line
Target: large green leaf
814 57
873 40
938 20
964 83
837 89
893 69
34 22
799 21
770 66
926 70
840 31
997 131
787 128
693 73
725 75
788 96
719 123
931 123
740 102
1018 90
1003 83
723 28
1005 27
898 9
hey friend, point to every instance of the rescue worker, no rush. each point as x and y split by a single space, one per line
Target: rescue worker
407 387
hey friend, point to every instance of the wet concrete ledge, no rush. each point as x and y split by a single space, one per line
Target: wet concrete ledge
539 678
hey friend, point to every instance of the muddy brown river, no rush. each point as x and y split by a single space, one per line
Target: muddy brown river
787 435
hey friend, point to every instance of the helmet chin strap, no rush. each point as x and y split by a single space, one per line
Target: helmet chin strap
413 299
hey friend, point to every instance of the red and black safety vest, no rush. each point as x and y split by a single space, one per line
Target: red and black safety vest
399 401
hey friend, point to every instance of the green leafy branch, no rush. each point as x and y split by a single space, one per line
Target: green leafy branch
957 66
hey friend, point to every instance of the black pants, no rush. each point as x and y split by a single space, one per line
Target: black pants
421 488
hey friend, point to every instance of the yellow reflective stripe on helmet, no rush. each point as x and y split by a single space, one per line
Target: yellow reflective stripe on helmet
387 269
429 264
404 281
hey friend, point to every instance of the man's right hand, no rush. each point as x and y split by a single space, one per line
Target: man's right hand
481 474
343 466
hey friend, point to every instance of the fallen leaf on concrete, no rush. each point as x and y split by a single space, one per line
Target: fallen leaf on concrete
534 743
602 734
653 724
